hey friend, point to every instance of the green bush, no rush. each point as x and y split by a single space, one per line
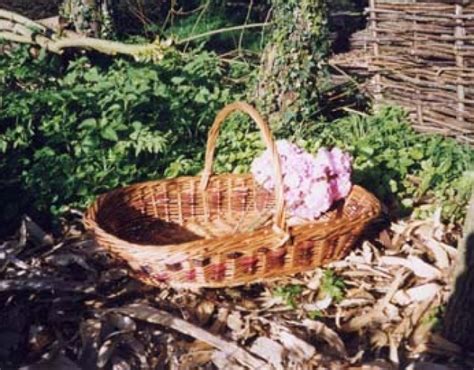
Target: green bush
66 136
407 170
71 131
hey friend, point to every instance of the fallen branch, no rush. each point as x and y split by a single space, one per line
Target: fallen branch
163 318
19 29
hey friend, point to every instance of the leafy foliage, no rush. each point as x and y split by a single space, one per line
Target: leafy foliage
331 286
91 18
67 136
407 170
71 131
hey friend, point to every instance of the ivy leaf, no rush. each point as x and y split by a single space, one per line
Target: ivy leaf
92 75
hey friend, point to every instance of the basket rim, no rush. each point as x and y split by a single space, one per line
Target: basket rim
90 217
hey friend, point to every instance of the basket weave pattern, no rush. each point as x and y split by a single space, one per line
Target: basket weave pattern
222 230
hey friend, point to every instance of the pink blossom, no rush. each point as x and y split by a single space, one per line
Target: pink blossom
311 184
319 199
341 186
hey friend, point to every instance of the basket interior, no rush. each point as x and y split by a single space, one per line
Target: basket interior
170 212
176 211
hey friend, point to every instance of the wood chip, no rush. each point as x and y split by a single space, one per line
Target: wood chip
376 315
422 365
269 350
423 292
328 335
300 350
419 267
423 269
36 234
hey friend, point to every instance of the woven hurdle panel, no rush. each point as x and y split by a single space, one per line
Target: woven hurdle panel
423 59
420 55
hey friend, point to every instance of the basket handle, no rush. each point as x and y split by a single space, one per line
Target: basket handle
279 219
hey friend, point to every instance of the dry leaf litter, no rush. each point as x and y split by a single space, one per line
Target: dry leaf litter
66 304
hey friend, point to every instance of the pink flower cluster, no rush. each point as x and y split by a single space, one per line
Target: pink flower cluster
311 183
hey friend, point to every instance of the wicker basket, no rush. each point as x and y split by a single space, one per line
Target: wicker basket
223 230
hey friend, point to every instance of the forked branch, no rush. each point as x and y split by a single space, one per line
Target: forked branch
19 29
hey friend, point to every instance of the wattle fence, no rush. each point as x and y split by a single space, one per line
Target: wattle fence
419 55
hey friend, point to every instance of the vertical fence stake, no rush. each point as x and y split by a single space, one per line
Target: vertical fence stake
419 105
459 33
375 48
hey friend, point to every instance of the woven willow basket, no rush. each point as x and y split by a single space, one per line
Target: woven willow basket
223 230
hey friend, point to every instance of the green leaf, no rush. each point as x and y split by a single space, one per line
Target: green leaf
202 95
407 202
332 285
367 150
88 123
109 133
177 80
416 154
393 185
445 166
289 293
92 75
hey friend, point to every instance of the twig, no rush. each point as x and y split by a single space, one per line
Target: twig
349 77
189 12
170 14
355 111
204 9
56 44
377 313
241 37
267 20
221 30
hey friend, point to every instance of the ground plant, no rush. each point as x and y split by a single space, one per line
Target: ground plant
70 131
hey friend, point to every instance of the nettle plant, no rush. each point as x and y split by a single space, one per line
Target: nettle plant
66 136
